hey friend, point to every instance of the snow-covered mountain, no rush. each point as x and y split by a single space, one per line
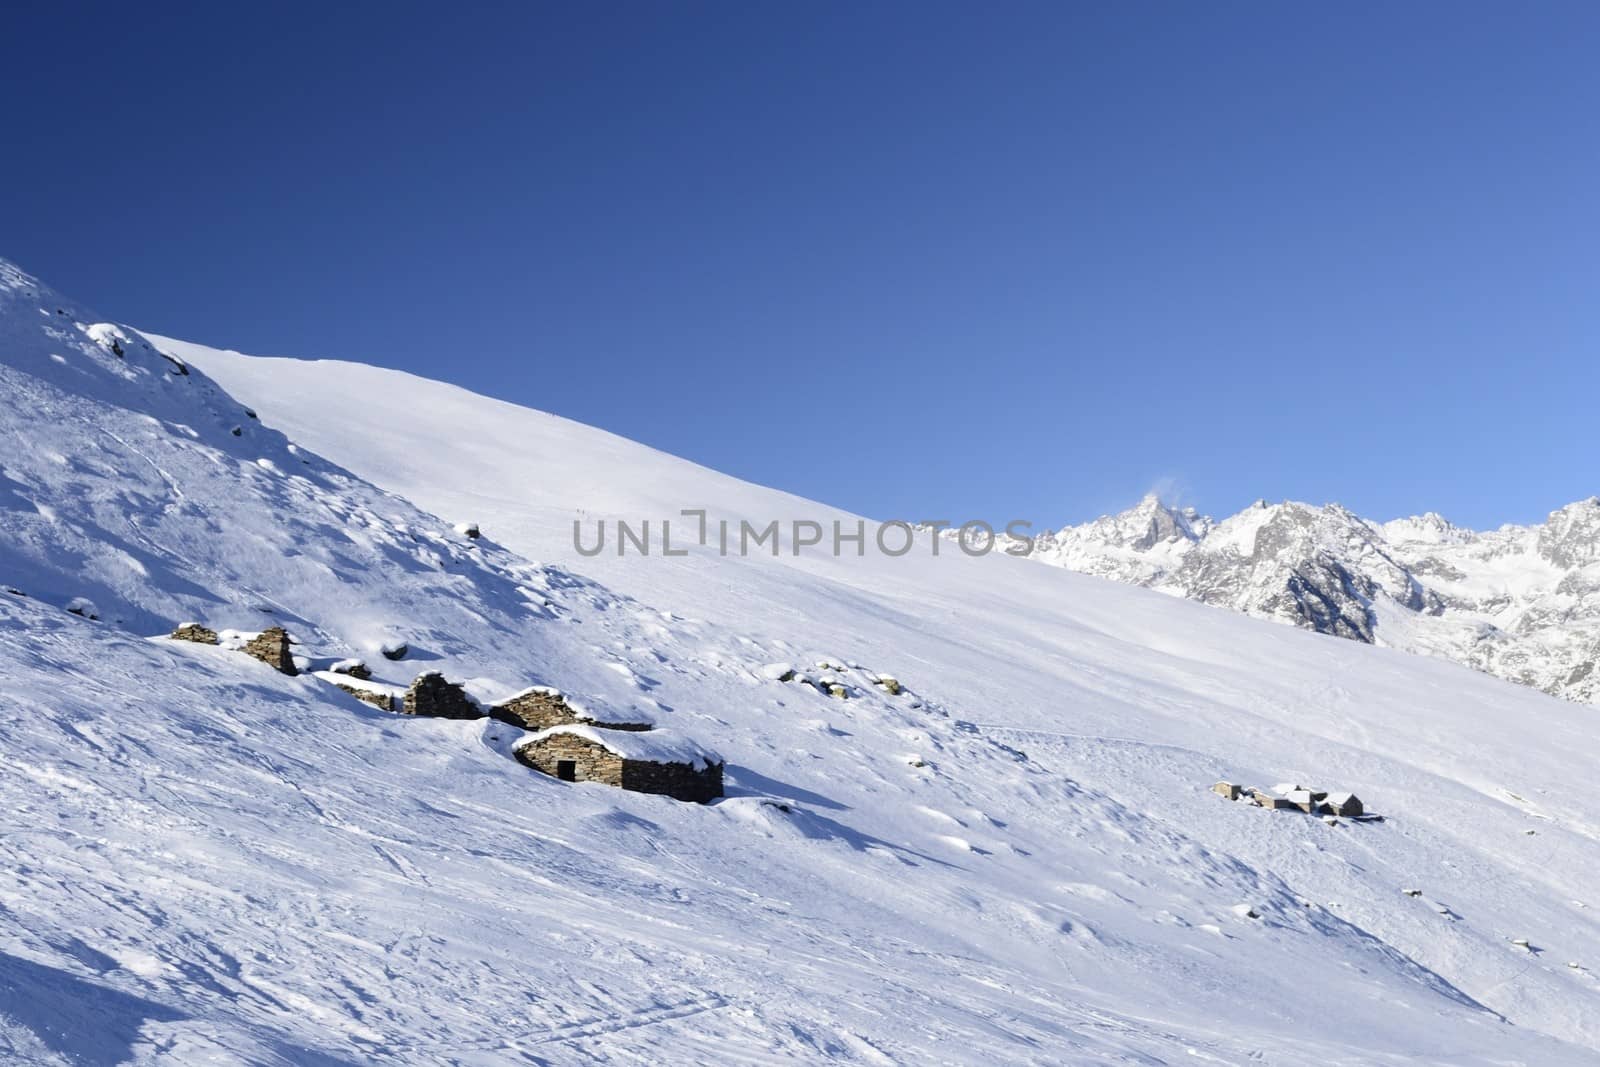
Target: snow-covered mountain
1015 859
1520 602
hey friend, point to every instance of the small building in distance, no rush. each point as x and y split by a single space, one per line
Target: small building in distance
1344 804
640 761
542 708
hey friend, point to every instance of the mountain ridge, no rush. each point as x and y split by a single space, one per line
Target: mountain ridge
1521 602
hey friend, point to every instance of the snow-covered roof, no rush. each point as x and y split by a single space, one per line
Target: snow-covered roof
366 685
651 746
487 693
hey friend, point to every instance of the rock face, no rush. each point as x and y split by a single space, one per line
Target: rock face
1520 602
432 696
193 631
540 708
271 647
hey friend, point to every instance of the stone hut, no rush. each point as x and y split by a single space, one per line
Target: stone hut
541 708
1344 804
193 631
271 647
432 696
640 761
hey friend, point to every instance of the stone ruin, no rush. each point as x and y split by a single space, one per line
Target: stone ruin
376 697
272 647
541 708
583 754
434 697
193 631
353 667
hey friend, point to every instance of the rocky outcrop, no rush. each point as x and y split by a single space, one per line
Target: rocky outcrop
272 647
434 697
193 631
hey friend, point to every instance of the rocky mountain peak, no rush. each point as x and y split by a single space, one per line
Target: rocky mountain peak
1519 602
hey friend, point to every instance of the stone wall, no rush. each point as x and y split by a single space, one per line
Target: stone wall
540 709
376 699
678 780
594 763
432 696
193 631
272 648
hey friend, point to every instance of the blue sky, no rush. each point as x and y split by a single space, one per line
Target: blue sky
918 260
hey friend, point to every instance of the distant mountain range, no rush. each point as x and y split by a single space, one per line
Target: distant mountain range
1520 602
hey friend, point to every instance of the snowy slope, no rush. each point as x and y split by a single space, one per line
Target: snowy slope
1016 860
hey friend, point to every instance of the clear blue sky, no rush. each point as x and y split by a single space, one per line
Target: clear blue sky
919 260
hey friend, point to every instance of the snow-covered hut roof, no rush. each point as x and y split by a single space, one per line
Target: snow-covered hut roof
650 746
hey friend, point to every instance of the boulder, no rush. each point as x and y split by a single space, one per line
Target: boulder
1227 789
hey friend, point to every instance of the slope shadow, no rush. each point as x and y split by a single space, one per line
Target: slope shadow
746 782
79 1019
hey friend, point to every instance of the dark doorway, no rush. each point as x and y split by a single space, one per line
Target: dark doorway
567 770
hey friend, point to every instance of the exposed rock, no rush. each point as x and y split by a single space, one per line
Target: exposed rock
272 647
83 608
1227 789
430 695
193 631
395 650
777 672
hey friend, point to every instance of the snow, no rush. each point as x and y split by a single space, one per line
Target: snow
653 746
366 685
211 862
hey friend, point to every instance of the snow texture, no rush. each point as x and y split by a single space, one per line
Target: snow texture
211 862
